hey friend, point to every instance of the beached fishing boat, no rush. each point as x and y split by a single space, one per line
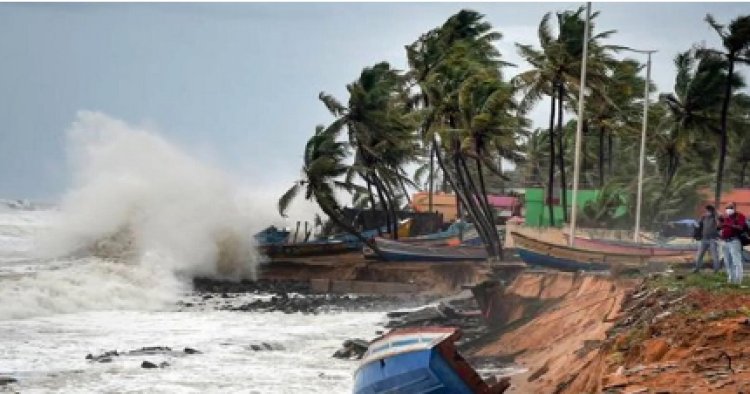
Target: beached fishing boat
272 235
419 360
633 248
400 251
306 249
540 253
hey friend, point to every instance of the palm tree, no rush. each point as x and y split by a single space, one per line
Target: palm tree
736 41
693 107
739 152
618 112
323 166
555 73
457 57
380 128
467 29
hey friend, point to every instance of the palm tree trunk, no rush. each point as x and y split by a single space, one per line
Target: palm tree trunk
406 193
325 206
561 150
383 204
488 210
372 201
724 112
601 156
448 178
551 176
584 163
610 155
392 206
474 212
432 181
742 174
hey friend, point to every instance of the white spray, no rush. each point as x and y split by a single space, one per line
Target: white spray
142 219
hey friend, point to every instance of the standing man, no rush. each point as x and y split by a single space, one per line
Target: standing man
708 236
731 226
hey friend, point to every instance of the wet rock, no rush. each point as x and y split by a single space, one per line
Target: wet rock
148 365
150 350
352 349
189 350
6 380
163 364
105 357
265 346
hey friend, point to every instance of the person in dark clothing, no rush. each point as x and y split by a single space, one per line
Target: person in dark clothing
731 226
709 238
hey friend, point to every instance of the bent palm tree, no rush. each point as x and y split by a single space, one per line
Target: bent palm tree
323 164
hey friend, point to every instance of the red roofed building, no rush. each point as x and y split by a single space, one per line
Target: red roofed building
504 206
741 197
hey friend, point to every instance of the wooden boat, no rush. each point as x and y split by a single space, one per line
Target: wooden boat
305 249
540 253
272 235
400 251
633 248
419 360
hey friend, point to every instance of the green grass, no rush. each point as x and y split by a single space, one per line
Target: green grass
709 281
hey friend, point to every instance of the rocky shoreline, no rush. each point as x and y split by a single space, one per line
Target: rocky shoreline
289 296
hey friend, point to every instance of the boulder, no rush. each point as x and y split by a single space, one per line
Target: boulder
352 349
189 350
148 365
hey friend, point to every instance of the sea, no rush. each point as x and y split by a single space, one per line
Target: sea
108 265
54 312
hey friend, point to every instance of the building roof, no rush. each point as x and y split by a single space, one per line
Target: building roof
739 196
437 198
502 201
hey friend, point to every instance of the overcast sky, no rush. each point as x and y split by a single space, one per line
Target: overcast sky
237 84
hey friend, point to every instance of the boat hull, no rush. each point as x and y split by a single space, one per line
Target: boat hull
542 260
424 371
399 251
306 249
636 249
418 360
539 252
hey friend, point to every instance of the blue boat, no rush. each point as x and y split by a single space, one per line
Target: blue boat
419 360
541 260
271 235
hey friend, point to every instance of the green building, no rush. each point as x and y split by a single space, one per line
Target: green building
537 211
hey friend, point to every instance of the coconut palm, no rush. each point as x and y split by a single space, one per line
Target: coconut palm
465 31
617 113
693 108
457 57
556 73
380 128
321 173
736 41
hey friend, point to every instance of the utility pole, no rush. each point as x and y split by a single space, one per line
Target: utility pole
639 197
579 128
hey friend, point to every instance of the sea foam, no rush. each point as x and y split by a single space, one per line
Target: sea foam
141 219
